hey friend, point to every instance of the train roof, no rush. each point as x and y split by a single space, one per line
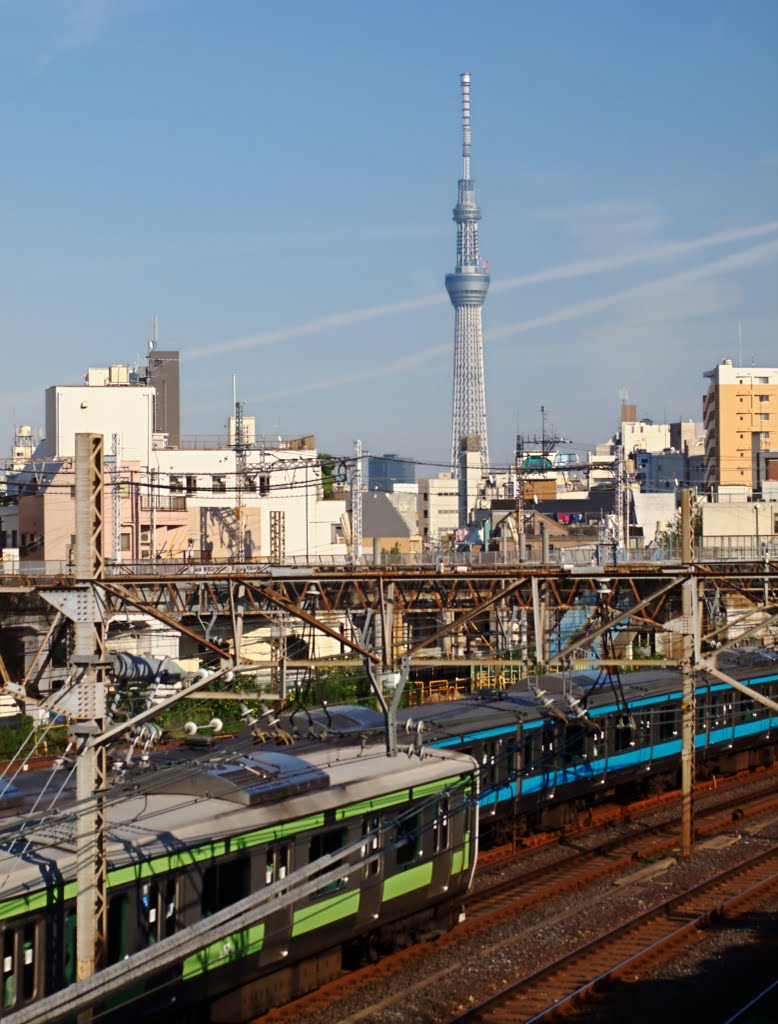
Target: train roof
191 803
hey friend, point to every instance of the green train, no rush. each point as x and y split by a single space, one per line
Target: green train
189 838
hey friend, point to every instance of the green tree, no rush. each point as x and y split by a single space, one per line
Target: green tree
328 478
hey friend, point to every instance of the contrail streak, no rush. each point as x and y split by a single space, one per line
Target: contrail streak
578 311
565 271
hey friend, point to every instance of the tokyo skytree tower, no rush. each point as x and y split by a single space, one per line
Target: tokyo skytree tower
467 288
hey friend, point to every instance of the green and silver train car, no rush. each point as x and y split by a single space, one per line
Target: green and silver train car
188 839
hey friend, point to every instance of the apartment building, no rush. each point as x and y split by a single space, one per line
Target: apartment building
740 415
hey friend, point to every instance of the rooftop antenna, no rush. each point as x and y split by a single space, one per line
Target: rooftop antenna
153 338
740 339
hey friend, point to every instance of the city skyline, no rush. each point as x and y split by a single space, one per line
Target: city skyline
288 217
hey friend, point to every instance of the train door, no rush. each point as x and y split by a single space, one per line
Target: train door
157 909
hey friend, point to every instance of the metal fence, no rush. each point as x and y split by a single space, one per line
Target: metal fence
711 549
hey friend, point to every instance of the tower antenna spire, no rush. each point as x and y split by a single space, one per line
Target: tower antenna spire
465 77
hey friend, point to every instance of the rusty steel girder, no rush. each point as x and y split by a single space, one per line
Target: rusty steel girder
453 601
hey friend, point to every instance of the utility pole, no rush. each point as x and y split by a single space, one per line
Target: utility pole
240 470
521 540
356 505
690 640
619 505
89 659
116 499
277 537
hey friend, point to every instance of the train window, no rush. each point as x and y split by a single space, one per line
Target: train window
490 761
547 739
147 906
409 838
667 724
9 959
117 929
224 884
700 713
168 909
719 710
277 860
157 909
529 749
370 829
440 828
623 733
512 758
28 962
643 731
327 842
323 844
575 742
745 709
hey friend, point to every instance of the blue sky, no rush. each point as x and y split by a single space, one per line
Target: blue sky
275 182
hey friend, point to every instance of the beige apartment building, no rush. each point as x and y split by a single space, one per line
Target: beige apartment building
740 415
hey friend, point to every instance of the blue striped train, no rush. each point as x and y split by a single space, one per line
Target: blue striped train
552 746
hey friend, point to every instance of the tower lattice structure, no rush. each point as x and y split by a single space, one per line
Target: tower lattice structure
467 288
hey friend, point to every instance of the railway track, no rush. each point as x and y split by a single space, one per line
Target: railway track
505 901
628 949
617 854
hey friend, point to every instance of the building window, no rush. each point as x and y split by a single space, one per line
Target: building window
763 398
191 485
263 483
764 415
762 380
176 484
219 484
125 542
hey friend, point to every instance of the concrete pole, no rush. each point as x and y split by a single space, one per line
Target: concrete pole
89 658
690 639
545 546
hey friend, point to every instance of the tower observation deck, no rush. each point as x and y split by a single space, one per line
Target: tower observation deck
467 288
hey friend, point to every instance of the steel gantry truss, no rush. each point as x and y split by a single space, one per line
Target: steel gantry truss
462 616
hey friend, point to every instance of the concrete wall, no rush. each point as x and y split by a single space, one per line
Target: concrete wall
740 518
124 410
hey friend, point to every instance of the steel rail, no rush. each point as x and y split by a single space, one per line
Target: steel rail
655 916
